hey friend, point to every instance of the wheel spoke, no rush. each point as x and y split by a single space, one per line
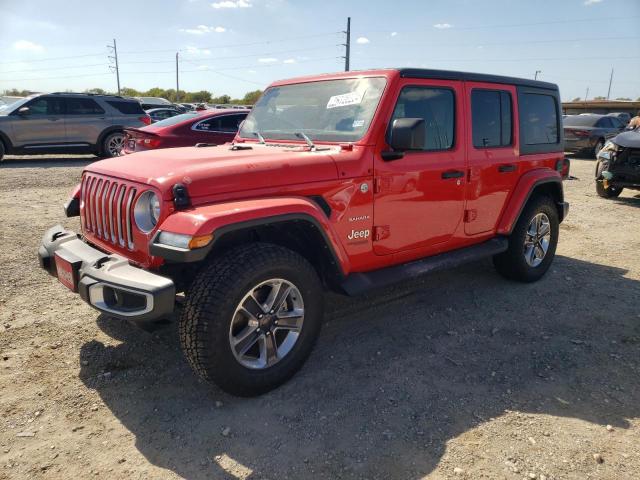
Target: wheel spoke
270 349
277 295
252 306
245 340
545 229
291 320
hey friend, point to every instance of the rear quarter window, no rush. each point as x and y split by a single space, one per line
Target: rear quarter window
539 119
127 108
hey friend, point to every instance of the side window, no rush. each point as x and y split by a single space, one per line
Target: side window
212 124
231 123
604 122
539 120
491 118
83 106
126 107
46 106
436 106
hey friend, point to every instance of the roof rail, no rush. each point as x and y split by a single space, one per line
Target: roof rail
86 93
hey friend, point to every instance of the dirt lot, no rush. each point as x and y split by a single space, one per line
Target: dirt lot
459 375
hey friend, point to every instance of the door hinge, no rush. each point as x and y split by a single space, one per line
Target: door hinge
381 232
381 183
470 215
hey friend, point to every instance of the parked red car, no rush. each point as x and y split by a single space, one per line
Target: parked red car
185 130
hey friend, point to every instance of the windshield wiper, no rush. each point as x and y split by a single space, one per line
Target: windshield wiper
310 143
260 137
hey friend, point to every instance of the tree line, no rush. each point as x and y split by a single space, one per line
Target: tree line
203 96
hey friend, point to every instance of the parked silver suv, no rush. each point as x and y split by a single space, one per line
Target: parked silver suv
68 123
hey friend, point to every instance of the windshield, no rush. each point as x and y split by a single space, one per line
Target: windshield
580 121
12 105
330 110
176 119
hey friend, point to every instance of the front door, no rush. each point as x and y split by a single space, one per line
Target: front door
42 126
493 156
419 199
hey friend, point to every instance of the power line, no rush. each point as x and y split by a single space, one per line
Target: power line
55 58
57 68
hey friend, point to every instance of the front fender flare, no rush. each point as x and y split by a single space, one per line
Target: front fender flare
523 191
221 218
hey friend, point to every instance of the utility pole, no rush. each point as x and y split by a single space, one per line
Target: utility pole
114 57
347 45
536 75
177 83
610 80
586 95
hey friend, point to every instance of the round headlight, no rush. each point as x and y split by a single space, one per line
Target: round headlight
147 211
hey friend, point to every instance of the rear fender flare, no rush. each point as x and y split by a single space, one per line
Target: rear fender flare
529 183
223 218
105 132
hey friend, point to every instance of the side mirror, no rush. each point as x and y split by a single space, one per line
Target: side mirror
23 111
406 134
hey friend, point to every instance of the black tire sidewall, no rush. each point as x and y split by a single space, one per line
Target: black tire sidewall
2 150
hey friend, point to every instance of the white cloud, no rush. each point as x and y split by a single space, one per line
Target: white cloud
252 72
591 2
202 29
443 26
362 40
268 60
232 4
393 34
289 60
27 46
197 51
203 67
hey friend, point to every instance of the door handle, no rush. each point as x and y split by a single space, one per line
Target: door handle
509 167
452 174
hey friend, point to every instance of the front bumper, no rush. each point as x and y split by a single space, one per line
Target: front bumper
108 282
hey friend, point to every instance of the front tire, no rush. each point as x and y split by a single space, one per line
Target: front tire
251 318
2 150
601 190
598 146
113 144
533 242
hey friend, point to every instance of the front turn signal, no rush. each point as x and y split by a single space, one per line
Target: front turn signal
200 241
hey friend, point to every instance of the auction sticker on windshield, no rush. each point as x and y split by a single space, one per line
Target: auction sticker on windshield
351 98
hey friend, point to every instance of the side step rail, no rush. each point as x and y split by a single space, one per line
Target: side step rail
360 282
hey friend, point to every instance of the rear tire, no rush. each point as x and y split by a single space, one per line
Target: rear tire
2 150
221 311
530 253
113 144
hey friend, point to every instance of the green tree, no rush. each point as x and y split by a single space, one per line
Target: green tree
599 98
129 92
251 98
624 99
221 99
97 91
577 99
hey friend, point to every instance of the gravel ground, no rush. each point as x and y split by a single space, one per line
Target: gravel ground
461 374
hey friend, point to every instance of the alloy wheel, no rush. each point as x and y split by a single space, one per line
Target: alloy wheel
266 324
537 239
115 145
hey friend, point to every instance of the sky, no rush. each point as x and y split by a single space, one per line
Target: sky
235 46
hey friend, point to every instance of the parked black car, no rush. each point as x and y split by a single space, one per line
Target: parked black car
618 165
158 114
624 117
584 133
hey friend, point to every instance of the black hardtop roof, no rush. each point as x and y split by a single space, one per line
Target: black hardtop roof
473 77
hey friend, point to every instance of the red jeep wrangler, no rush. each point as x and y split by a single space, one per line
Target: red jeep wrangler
347 182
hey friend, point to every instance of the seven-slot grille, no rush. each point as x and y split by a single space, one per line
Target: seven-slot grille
107 205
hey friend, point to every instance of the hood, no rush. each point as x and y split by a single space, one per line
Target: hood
628 139
214 170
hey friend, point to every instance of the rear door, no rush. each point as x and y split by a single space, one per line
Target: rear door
419 199
492 155
85 120
43 126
